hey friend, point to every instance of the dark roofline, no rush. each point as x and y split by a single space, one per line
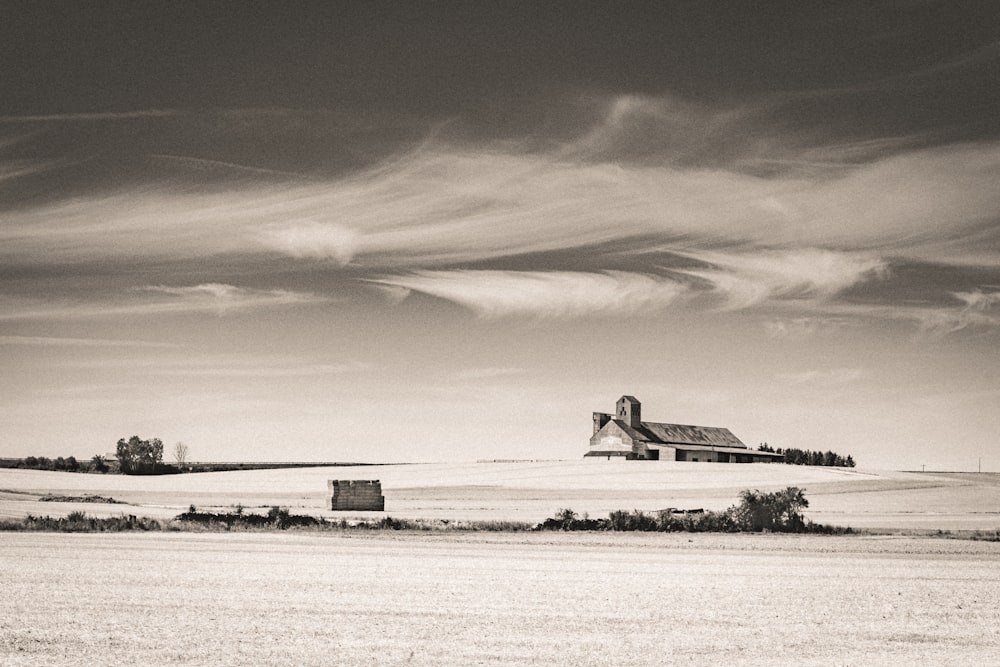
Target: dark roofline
697 435
716 448
686 425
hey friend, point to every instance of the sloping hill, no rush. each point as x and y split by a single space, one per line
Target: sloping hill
532 491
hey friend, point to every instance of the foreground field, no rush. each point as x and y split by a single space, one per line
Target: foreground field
568 599
532 491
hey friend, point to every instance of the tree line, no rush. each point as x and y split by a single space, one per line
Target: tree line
133 456
807 457
69 464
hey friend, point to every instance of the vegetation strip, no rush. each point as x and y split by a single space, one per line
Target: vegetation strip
757 511
107 500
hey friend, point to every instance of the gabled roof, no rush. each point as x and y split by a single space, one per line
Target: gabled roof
629 431
680 434
626 397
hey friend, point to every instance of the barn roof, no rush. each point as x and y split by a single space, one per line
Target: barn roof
681 434
728 450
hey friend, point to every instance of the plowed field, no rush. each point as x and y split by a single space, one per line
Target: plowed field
502 599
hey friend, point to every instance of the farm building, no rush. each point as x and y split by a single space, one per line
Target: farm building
625 434
356 494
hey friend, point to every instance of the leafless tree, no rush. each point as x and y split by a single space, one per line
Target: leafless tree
180 453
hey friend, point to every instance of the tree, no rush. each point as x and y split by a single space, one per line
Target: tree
137 456
779 510
98 464
181 453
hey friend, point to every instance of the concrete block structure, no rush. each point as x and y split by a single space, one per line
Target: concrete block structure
626 434
356 494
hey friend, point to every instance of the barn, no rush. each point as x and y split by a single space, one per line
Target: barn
625 434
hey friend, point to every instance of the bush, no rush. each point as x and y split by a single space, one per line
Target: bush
632 521
276 517
779 511
776 511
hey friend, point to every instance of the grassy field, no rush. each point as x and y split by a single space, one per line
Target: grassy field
462 599
533 491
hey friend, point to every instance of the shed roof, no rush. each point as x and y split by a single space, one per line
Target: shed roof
682 434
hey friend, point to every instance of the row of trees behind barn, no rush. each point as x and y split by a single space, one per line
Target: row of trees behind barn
807 457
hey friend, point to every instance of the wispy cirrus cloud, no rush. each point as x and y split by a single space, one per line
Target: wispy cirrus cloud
544 294
224 366
953 313
829 377
258 369
217 298
448 202
312 240
978 310
645 172
202 164
978 300
803 327
55 341
222 298
488 373
94 116
750 278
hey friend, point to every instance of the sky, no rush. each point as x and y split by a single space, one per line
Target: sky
390 232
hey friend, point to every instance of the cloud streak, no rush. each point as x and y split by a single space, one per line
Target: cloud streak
979 311
806 274
89 117
488 373
54 341
257 370
544 294
825 378
217 298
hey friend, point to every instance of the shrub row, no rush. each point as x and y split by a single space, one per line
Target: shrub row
78 522
276 517
281 518
778 511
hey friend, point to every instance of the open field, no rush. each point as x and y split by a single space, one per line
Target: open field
293 598
533 491
462 599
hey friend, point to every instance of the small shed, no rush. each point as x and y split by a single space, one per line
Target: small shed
356 494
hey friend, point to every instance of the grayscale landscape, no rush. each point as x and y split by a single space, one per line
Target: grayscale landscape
554 333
